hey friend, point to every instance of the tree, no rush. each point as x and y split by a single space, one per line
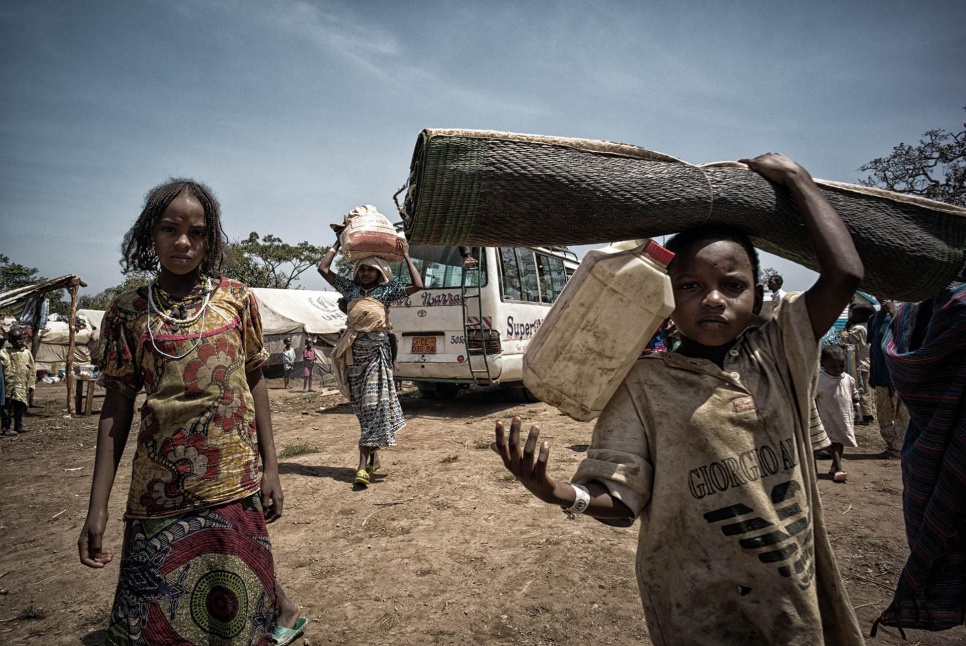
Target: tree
934 168
344 265
101 300
268 261
256 261
14 275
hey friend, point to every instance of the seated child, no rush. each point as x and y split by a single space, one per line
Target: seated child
837 398
709 444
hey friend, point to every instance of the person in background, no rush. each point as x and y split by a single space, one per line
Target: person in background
19 381
3 387
857 335
731 550
837 399
308 366
891 413
925 350
288 360
469 262
774 284
363 358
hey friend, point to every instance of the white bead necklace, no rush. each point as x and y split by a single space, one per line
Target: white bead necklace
176 321
202 313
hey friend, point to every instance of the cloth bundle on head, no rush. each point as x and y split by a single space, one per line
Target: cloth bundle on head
385 272
368 233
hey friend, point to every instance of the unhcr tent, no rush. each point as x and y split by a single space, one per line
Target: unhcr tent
299 314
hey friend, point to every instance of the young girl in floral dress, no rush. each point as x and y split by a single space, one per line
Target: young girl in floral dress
196 563
363 358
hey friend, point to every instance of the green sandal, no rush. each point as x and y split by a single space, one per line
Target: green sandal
373 470
284 636
362 477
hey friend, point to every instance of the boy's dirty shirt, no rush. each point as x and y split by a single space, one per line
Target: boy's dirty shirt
19 374
718 463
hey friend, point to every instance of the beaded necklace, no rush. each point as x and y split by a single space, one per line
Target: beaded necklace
201 314
169 303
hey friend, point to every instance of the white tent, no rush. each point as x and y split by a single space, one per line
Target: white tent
55 340
294 313
299 313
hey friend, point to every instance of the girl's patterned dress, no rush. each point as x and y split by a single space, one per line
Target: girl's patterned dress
196 565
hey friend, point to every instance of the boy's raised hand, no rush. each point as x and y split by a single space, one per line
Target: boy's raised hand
531 473
775 167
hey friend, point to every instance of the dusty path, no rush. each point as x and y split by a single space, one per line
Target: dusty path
445 549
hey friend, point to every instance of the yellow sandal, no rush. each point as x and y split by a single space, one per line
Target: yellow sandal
362 477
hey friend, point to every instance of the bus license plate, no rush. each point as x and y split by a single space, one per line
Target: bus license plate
424 345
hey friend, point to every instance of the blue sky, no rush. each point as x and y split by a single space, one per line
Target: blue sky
295 112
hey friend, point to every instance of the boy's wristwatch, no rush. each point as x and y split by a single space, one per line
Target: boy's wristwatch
581 503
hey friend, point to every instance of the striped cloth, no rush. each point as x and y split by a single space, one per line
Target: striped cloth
925 350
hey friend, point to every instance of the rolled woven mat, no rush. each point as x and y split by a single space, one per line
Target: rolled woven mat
483 188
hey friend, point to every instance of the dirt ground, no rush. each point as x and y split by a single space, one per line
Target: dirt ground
444 549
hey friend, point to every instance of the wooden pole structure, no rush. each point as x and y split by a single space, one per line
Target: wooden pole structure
35 325
35 330
72 326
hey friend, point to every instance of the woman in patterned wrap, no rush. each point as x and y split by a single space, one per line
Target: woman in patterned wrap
362 360
196 562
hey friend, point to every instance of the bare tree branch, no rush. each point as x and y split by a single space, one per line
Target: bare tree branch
934 168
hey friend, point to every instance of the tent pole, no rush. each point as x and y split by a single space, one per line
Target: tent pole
71 326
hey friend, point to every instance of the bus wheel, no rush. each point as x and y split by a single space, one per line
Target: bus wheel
446 391
426 391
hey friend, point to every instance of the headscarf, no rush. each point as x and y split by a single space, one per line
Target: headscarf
381 266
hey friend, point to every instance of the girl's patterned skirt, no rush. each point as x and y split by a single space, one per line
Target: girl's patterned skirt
204 577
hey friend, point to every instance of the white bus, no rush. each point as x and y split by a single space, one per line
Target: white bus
471 326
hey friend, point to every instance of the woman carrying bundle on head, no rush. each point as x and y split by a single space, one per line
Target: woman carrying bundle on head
363 358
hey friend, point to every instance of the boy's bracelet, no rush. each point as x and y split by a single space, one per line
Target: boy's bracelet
580 504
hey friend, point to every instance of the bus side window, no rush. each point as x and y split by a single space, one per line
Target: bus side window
511 274
553 277
528 276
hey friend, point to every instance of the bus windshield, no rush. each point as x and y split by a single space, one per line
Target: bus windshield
440 267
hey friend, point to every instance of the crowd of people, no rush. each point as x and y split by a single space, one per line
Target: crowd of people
708 442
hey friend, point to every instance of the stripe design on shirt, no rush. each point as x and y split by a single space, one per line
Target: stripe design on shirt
787 544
